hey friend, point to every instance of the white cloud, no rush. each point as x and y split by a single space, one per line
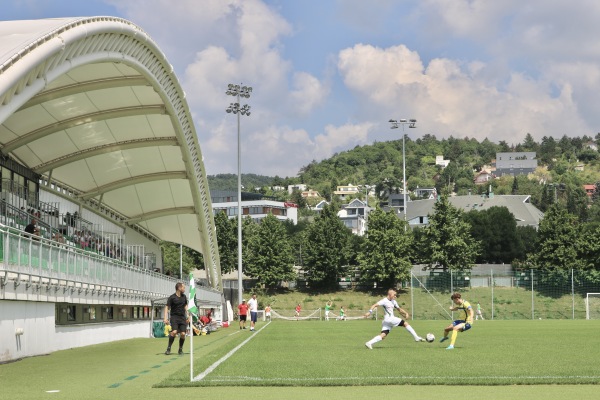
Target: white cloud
235 41
308 92
450 97
476 68
337 138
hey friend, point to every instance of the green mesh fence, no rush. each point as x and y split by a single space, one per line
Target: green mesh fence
523 294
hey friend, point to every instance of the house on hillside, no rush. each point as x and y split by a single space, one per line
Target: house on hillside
482 177
591 145
396 201
310 194
319 207
515 163
589 191
299 187
526 214
425 193
354 215
439 160
345 191
254 205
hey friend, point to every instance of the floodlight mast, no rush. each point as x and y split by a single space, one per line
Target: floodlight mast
239 91
412 123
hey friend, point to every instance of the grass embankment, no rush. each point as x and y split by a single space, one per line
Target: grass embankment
509 303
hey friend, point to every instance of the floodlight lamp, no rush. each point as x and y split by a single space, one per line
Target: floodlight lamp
403 120
393 121
412 120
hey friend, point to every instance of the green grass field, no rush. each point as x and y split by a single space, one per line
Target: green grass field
301 359
291 353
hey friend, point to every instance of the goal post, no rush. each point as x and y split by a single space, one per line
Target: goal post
592 306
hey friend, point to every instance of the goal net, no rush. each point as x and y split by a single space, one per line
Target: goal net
592 306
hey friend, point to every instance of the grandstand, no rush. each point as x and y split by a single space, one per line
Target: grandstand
98 145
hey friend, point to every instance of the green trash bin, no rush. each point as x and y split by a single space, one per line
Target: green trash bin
158 329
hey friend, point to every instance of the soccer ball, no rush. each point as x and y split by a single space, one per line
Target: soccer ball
430 337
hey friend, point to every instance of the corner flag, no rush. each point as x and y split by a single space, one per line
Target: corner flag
192 309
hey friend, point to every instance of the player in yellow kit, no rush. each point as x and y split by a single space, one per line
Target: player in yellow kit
459 325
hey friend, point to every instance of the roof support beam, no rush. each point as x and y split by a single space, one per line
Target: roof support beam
160 213
133 181
81 120
104 149
87 86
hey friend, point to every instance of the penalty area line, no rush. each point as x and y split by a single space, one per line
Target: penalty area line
226 356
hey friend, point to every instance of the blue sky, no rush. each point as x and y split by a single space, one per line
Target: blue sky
329 74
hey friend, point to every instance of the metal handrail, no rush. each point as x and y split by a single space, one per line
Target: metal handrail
47 259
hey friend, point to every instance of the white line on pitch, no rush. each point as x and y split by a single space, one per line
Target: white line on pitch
226 356
236 379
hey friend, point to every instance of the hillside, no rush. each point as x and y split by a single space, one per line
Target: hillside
571 162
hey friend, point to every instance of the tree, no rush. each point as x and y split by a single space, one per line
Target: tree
529 144
577 201
558 241
324 244
171 259
528 237
249 229
296 197
227 240
447 240
515 186
385 254
496 229
271 260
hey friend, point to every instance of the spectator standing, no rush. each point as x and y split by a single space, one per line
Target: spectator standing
327 310
342 314
298 310
242 313
479 313
268 312
253 306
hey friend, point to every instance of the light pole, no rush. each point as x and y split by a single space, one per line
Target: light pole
412 123
239 91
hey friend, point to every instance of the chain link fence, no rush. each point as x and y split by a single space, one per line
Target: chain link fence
507 294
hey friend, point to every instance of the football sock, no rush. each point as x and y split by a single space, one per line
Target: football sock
375 339
171 340
412 332
453 338
181 341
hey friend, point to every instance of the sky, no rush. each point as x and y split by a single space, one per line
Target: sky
328 75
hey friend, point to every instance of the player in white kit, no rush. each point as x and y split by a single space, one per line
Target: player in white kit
390 321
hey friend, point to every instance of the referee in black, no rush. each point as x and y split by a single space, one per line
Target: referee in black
177 309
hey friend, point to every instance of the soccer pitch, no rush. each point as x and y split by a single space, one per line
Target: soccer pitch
304 353
293 360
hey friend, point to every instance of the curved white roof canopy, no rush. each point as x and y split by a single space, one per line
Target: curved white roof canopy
92 104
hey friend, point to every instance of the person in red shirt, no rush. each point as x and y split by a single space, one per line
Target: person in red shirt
298 309
243 312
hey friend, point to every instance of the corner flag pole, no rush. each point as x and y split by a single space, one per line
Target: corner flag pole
193 311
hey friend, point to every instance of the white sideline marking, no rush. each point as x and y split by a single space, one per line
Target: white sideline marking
226 356
235 379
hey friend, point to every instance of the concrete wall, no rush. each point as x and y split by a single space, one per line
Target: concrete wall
40 335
